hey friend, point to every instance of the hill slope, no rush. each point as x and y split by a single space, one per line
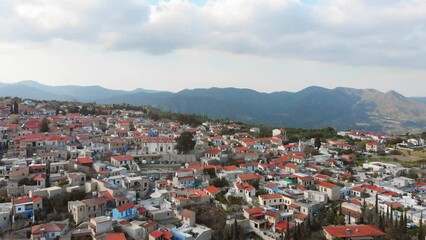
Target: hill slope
312 107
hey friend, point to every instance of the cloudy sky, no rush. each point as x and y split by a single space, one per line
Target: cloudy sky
267 45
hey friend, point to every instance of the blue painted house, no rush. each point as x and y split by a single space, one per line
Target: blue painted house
271 188
126 211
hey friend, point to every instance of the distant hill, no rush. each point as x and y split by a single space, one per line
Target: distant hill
419 99
313 107
37 90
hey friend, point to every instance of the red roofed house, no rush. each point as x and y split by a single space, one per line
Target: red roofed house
374 147
371 189
332 190
352 212
124 160
160 235
321 177
291 167
84 161
282 226
248 212
250 177
115 236
24 208
40 179
272 200
353 232
245 190
126 211
119 160
211 191
48 231
187 217
306 182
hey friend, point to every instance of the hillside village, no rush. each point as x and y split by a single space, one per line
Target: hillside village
73 172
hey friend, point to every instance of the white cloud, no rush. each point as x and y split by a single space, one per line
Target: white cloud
355 32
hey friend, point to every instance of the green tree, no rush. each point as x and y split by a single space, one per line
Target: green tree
132 127
317 143
44 127
15 107
362 145
26 181
220 182
184 143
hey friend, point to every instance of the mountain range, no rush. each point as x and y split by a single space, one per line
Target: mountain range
313 107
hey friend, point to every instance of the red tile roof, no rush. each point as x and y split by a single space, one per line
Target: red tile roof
326 185
230 168
291 165
245 186
212 189
214 151
125 207
156 234
22 200
40 176
84 160
250 176
122 158
282 226
254 210
271 185
373 188
115 236
271 196
354 231
358 189
187 213
48 228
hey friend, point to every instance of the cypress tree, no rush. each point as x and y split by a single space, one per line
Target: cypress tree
299 231
421 234
287 233
295 233
381 221
377 204
396 224
349 218
15 108
235 230
387 213
404 226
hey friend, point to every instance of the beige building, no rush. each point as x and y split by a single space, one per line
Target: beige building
5 216
86 209
332 190
272 200
100 226
133 230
